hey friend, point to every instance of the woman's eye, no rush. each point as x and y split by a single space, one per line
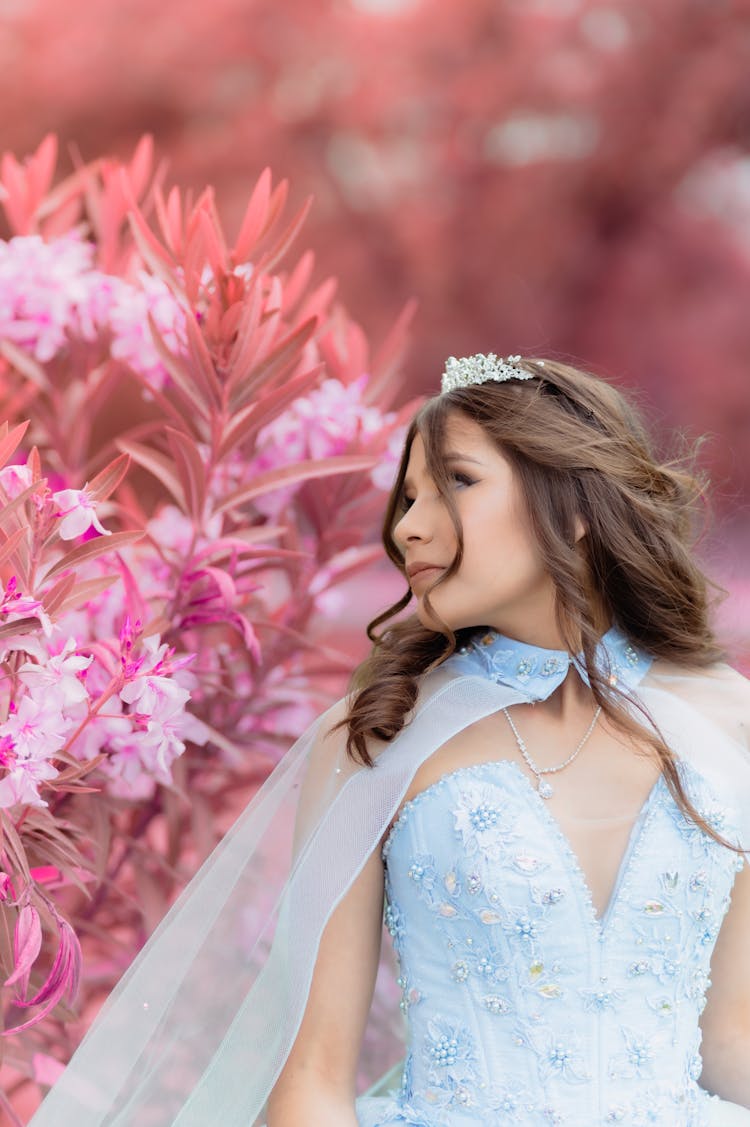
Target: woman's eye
406 502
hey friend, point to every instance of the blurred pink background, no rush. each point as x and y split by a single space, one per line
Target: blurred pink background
564 178
549 177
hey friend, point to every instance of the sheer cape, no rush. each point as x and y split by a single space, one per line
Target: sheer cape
200 1026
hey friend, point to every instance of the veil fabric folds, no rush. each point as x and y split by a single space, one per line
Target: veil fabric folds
198 1029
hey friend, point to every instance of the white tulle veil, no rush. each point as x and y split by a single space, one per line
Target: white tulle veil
199 1027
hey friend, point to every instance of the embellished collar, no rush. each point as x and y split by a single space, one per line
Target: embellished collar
537 672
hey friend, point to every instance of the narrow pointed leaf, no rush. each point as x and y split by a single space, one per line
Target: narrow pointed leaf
183 416
388 356
25 364
26 946
191 470
297 282
202 360
157 464
91 549
9 441
184 375
107 480
291 475
318 303
11 543
276 205
139 169
284 353
249 421
84 592
152 252
254 218
58 592
20 626
269 261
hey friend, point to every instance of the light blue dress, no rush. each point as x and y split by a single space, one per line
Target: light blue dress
523 1007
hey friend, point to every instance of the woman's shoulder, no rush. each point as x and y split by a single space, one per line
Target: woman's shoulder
718 673
718 691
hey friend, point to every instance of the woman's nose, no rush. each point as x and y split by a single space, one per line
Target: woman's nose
411 527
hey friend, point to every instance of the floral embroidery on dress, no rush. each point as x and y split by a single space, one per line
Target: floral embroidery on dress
636 1060
486 907
560 1058
483 820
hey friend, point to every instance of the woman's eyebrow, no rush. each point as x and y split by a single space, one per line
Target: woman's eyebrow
452 456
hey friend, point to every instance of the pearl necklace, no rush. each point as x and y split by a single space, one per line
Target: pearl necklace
545 789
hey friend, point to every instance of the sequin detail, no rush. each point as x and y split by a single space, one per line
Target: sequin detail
502 950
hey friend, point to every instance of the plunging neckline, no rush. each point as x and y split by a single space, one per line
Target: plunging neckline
567 853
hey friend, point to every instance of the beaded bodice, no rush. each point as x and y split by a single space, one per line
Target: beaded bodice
523 1007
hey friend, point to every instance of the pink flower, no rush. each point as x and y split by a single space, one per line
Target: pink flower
15 605
37 730
155 696
144 756
21 785
41 285
15 479
50 293
59 677
78 514
322 424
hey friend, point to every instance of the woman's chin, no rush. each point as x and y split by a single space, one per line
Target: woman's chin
439 626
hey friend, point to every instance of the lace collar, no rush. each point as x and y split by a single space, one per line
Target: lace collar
537 672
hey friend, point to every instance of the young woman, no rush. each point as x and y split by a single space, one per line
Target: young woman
542 773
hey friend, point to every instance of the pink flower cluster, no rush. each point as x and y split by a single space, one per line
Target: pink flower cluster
141 729
73 684
51 293
138 626
41 716
63 698
322 424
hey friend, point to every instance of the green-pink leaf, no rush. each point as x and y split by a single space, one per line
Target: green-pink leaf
92 549
9 440
83 592
191 470
251 418
58 592
290 475
157 464
11 543
107 480
20 626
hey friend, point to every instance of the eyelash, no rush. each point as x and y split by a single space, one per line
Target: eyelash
405 503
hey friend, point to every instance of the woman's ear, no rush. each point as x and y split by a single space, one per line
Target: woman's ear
580 529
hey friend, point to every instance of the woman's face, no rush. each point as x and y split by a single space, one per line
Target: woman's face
501 581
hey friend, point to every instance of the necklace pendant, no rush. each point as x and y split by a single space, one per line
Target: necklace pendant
545 789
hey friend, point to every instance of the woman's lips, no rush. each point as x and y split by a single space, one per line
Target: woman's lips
425 573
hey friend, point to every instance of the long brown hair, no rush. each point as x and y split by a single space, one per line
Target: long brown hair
577 446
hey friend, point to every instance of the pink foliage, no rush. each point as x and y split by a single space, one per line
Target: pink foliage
211 443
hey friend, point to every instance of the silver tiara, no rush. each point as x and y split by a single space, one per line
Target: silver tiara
476 369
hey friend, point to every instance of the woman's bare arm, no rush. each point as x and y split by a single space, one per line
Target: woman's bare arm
726 1019
317 1084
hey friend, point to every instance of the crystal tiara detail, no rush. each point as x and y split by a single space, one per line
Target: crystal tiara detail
479 368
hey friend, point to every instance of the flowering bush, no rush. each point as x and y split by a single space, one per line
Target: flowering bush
193 456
